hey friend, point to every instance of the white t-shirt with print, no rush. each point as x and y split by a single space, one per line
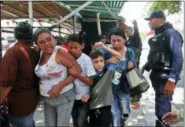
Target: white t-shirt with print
88 70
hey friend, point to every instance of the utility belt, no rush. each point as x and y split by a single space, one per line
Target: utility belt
159 58
160 70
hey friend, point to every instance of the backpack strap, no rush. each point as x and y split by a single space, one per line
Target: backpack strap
128 57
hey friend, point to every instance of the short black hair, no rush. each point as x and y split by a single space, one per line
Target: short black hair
95 54
75 38
118 31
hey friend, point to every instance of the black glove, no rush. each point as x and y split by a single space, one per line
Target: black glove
145 67
134 23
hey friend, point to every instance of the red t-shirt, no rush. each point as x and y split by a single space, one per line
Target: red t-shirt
17 71
65 45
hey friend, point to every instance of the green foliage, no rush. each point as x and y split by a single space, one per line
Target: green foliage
171 7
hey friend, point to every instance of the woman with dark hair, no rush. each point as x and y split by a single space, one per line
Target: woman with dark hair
121 92
55 84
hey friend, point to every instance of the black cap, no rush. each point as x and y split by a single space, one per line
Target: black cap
156 14
23 31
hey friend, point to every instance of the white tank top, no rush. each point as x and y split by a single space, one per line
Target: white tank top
50 74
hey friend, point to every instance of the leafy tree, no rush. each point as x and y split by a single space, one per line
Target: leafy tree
171 7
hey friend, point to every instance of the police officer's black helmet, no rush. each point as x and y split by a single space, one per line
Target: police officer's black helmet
23 31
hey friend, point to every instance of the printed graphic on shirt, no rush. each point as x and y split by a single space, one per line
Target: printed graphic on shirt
117 75
51 74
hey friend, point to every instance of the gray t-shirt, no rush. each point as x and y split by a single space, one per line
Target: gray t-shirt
101 93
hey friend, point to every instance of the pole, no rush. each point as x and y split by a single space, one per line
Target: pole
0 35
74 23
30 10
184 55
72 13
98 23
59 27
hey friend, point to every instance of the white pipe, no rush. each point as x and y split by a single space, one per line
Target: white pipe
30 10
98 23
73 12
184 65
109 10
74 24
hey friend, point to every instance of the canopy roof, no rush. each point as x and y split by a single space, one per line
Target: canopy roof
97 7
55 9
18 10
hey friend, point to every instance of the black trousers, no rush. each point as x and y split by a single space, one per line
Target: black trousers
101 117
80 113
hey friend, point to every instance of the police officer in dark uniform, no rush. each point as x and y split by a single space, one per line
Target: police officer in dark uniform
165 61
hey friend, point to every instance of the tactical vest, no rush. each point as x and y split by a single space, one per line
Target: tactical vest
159 56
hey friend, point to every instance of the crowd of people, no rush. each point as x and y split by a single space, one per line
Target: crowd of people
89 87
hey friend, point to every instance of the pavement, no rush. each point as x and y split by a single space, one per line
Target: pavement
143 113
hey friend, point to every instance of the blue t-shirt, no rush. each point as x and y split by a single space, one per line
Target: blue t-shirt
120 69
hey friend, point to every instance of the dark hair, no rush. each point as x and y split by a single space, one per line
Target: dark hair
40 31
23 31
102 37
119 32
75 38
95 54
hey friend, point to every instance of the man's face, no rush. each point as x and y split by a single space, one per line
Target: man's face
121 25
153 23
129 31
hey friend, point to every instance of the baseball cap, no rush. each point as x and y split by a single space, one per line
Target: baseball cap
156 14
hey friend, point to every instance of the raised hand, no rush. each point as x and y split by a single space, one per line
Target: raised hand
134 22
99 45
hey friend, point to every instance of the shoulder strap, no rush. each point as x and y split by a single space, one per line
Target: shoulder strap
128 56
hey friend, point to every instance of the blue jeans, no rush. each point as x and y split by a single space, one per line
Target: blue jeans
120 108
26 121
57 111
